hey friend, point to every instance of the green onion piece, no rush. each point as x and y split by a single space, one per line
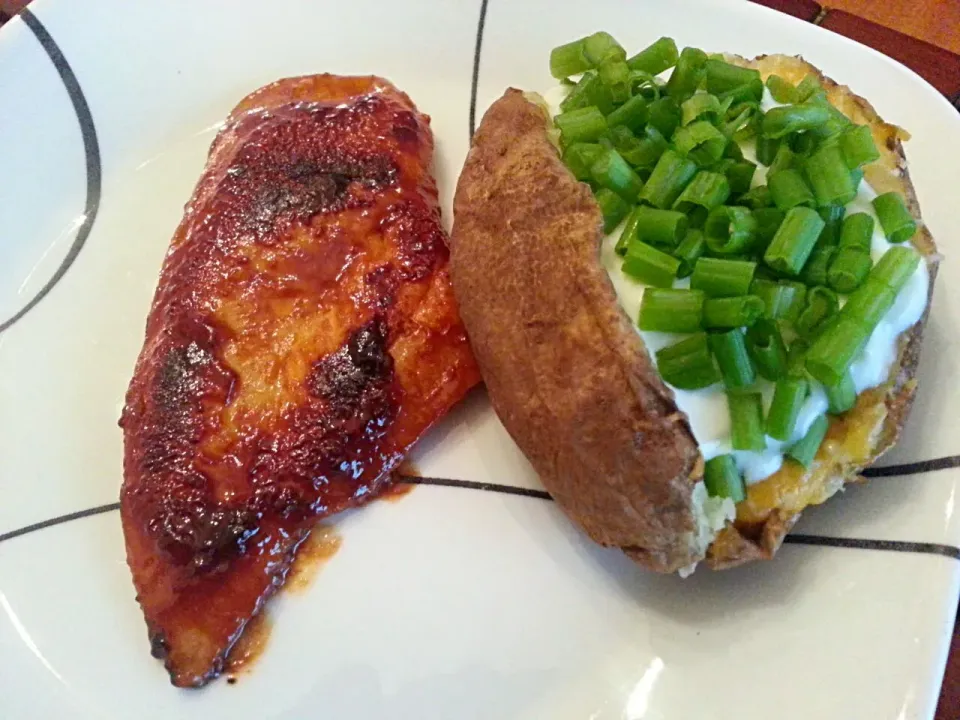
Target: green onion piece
746 421
781 90
794 241
766 349
858 147
786 119
732 312
848 269
668 179
722 278
869 303
580 157
807 87
733 151
797 359
831 355
611 171
656 58
632 114
822 305
756 198
829 177
802 143
815 271
689 251
630 231
645 85
615 74
660 227
768 222
730 230
701 141
856 177
730 350
589 91
897 223
779 298
740 175
688 364
569 59
857 231
832 216
789 189
702 106
686 76
722 478
742 121
805 450
649 265
895 267
788 398
707 190
767 149
842 396
621 135
601 46
723 77
664 115
647 150
581 125
613 208
784 159
668 310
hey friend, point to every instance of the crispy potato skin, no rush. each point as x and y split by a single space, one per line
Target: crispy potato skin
568 376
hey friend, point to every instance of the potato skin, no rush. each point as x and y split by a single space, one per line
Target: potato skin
568 376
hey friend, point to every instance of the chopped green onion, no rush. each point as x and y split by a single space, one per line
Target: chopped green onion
766 349
580 157
688 364
630 231
848 269
794 241
668 179
807 87
815 271
780 299
858 147
649 265
589 91
856 177
722 278
822 305
732 312
656 58
786 119
733 151
613 208
702 106
664 115
842 396
831 355
785 158
746 421
668 310
897 223
788 189
797 359
740 175
707 190
701 141
829 177
832 216
723 77
730 230
569 59
857 231
781 90
581 125
686 76
788 398
869 303
768 222
615 74
647 150
689 251
742 121
611 171
895 267
767 149
660 227
722 478
601 46
802 143
756 198
645 85
805 450
632 114
730 350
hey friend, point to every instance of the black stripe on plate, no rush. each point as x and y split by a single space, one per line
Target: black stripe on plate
862 544
91 150
471 485
99 510
476 67
915 468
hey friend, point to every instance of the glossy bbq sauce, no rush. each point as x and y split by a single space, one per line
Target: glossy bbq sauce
248 648
323 544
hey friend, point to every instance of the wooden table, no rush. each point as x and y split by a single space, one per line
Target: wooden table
923 35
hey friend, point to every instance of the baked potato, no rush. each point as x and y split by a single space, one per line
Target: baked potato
573 382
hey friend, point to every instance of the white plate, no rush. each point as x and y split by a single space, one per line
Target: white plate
452 603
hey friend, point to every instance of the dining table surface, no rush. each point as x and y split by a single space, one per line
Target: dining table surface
924 35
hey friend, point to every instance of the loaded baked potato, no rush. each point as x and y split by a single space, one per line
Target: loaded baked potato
568 233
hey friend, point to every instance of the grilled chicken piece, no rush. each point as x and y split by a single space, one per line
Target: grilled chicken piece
303 335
